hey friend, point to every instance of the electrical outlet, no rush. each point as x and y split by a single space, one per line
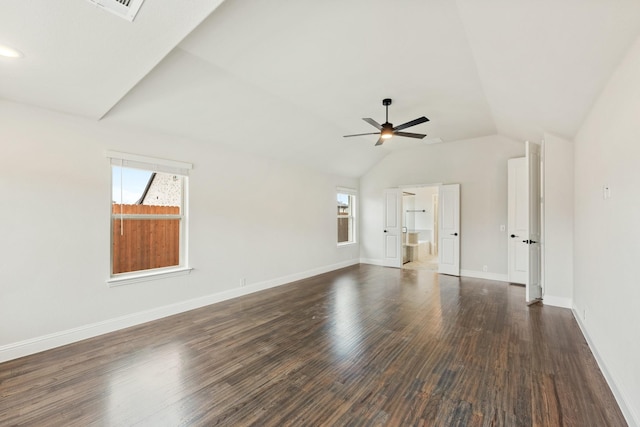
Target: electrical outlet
606 191
485 268
503 227
243 282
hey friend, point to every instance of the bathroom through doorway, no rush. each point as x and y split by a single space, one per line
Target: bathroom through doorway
420 227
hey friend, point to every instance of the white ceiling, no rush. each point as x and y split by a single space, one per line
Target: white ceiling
287 79
82 60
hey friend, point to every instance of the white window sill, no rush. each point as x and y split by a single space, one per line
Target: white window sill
341 245
148 275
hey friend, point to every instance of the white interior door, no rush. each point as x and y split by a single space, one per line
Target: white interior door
518 220
533 284
449 229
392 231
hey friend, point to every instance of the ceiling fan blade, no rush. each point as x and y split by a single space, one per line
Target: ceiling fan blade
410 134
411 123
380 141
361 134
373 123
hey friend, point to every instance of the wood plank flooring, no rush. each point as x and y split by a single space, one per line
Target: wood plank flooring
361 346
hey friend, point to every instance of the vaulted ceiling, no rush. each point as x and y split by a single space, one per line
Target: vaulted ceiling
287 79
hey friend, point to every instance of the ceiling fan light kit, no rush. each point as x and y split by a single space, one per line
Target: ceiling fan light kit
387 130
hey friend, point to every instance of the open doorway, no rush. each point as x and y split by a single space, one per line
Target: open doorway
420 227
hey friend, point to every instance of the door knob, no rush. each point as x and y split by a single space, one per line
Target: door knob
385 231
454 234
513 236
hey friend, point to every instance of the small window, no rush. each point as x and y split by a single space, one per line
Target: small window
346 217
148 216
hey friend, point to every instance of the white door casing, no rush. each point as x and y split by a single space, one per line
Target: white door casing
449 229
392 228
533 285
518 220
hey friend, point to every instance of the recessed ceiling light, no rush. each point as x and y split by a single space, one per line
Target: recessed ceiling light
10 52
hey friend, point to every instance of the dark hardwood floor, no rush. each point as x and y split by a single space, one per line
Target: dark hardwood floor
364 345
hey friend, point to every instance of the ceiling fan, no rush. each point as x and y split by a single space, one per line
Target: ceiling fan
387 130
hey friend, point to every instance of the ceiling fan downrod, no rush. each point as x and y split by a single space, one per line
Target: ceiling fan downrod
386 102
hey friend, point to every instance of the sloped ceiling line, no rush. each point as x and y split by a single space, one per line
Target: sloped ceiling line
287 79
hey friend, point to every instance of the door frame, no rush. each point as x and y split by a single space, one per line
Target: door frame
534 288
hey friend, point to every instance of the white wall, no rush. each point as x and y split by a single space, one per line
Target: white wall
479 166
408 218
54 223
607 234
558 218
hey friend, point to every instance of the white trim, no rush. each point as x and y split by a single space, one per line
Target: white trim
148 163
146 216
166 166
557 301
343 244
184 235
353 212
57 339
485 275
407 186
146 275
345 190
543 237
630 416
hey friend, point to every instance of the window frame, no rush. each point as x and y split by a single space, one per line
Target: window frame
352 217
151 164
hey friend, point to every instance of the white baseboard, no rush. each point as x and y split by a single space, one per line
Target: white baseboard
57 339
630 416
484 275
557 301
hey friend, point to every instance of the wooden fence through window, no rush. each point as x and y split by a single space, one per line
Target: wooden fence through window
343 230
143 244
343 224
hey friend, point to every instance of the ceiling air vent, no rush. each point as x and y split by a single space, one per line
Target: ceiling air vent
126 9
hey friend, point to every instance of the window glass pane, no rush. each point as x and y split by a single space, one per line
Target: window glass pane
344 230
152 241
143 244
345 217
344 204
128 184
143 187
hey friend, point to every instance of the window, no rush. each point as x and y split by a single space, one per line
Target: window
346 216
148 216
